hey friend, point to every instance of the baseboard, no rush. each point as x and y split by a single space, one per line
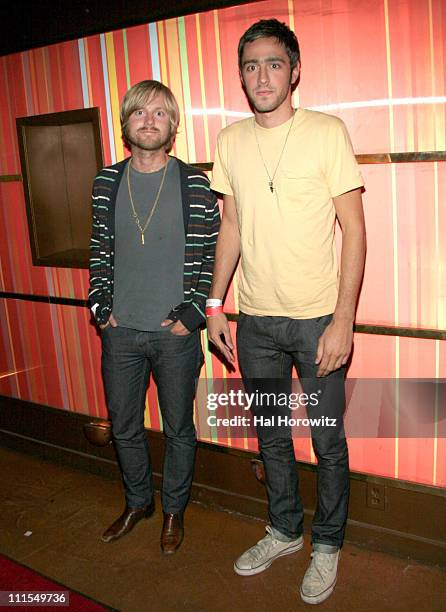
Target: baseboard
388 515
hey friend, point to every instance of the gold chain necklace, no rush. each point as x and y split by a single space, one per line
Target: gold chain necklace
271 178
134 213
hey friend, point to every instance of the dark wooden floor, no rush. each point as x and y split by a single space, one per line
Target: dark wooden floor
66 510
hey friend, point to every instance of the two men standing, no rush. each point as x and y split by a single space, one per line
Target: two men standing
286 175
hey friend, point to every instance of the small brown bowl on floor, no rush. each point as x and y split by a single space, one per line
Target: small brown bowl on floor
259 470
98 433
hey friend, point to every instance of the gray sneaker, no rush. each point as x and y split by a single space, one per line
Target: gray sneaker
320 578
267 550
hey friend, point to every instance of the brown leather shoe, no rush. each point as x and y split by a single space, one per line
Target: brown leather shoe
126 522
172 533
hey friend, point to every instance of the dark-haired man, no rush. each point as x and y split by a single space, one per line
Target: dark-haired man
155 223
286 174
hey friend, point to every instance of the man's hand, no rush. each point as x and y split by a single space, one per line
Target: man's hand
217 327
334 346
178 329
111 321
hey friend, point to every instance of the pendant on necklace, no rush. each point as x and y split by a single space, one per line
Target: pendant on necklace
142 238
271 186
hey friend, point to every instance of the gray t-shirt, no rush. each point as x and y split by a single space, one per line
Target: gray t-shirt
148 279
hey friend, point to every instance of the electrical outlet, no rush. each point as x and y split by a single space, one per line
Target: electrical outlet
376 496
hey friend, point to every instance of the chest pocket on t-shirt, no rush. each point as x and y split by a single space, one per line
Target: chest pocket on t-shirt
304 185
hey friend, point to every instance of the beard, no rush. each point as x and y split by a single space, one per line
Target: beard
270 104
149 141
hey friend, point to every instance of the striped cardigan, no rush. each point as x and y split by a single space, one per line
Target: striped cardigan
201 224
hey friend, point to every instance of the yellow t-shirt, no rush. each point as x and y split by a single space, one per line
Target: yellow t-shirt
288 253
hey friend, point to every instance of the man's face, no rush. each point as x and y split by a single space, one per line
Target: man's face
149 126
266 74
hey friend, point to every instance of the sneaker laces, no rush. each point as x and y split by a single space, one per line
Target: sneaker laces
263 546
322 564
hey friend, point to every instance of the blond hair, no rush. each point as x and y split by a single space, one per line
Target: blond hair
141 93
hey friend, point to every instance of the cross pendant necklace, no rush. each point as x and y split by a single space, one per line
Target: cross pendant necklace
271 178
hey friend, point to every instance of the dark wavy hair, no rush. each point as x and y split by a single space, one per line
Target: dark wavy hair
271 28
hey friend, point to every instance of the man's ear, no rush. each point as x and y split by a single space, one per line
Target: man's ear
295 73
242 80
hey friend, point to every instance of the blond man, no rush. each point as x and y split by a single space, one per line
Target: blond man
155 223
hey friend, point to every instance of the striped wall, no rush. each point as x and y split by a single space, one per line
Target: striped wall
379 65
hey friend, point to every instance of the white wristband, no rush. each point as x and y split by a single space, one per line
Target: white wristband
211 302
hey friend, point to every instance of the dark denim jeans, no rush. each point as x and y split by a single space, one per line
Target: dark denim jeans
128 358
267 349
